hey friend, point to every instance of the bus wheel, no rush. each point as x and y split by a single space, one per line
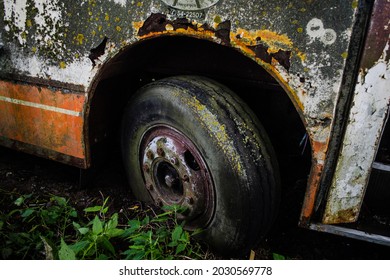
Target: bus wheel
190 141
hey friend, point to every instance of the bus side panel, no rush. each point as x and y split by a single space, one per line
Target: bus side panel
43 117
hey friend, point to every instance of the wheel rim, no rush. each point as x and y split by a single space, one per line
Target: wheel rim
175 173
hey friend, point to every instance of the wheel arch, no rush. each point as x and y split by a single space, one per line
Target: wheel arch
163 56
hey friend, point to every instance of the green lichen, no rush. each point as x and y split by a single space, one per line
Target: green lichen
80 39
24 35
62 64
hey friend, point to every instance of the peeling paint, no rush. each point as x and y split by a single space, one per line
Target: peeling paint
76 72
366 120
15 15
98 51
120 2
273 40
158 24
303 45
265 45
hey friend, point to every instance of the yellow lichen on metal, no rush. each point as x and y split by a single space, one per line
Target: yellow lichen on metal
273 40
273 71
199 31
243 40
80 39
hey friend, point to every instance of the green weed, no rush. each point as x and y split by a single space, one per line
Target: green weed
53 229
278 257
32 226
162 237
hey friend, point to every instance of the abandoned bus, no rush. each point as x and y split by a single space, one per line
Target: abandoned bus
217 105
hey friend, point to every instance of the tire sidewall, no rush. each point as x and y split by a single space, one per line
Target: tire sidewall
237 199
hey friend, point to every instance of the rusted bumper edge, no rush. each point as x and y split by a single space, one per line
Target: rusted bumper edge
42 152
352 233
43 121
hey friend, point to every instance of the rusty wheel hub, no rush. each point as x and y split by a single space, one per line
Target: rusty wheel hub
176 174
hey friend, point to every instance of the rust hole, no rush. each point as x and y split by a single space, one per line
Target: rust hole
95 53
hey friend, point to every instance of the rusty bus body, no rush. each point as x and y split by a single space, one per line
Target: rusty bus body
331 58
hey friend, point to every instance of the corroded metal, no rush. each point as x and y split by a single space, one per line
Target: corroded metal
302 44
178 175
43 118
365 124
352 233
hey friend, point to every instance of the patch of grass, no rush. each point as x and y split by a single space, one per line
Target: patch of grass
51 228
161 237
278 257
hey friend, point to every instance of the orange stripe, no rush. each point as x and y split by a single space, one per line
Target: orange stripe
40 127
41 95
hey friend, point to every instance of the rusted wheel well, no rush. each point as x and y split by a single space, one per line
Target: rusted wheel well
167 56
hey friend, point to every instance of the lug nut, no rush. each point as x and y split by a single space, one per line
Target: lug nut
174 161
150 154
160 152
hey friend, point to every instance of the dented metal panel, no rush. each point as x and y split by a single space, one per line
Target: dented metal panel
365 124
302 44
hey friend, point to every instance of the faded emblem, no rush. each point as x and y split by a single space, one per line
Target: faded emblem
190 5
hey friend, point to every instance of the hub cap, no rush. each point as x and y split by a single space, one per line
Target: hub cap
176 174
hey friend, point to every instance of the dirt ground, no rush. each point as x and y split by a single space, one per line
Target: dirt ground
29 174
